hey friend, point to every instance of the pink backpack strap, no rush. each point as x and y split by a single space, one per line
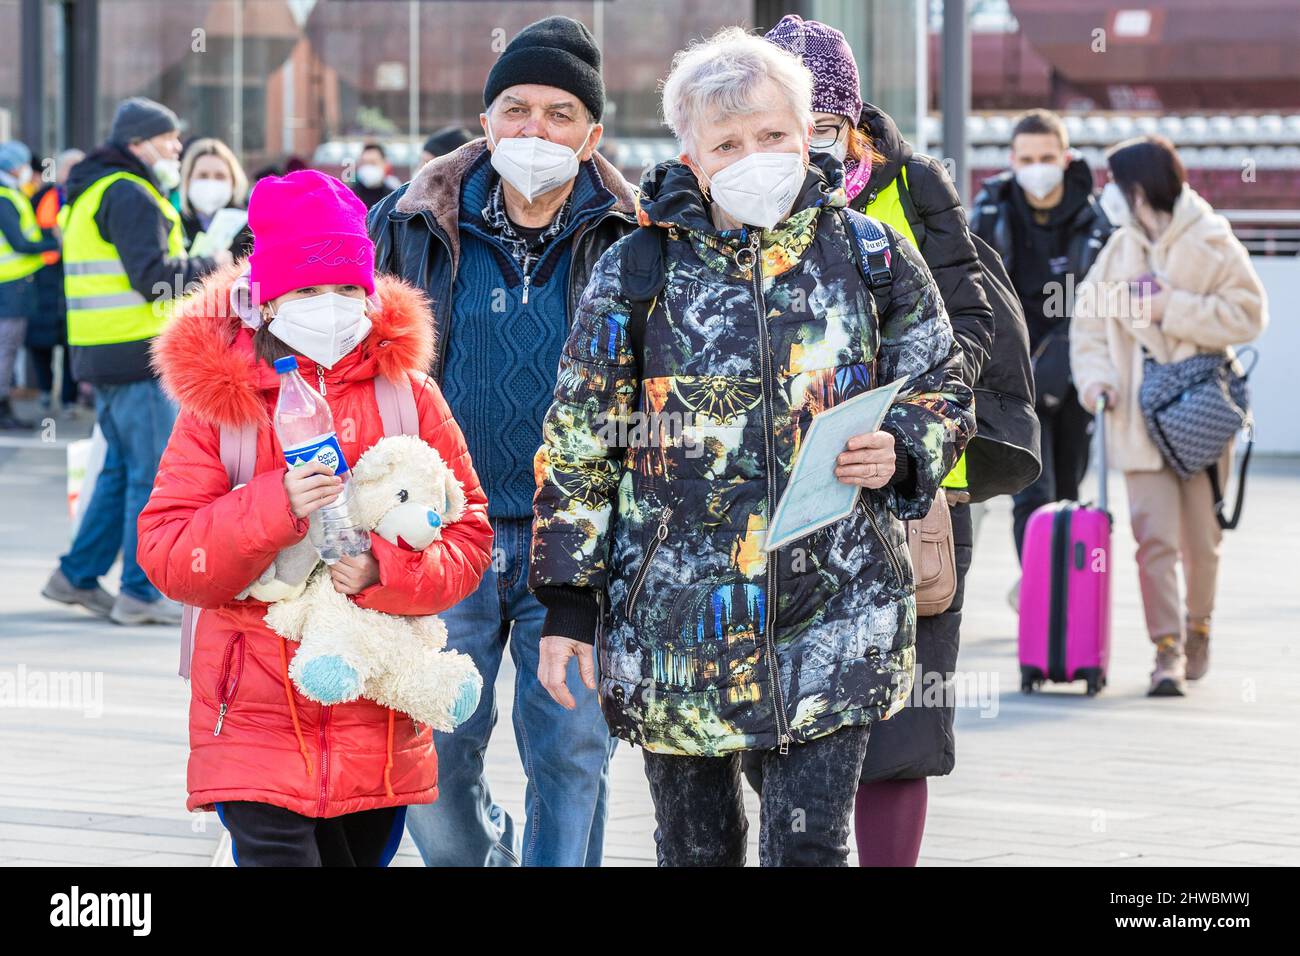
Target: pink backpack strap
239 456
397 407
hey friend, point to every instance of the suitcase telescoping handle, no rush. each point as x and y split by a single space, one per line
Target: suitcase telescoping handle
1103 477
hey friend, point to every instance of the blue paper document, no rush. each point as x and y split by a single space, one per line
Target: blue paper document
814 497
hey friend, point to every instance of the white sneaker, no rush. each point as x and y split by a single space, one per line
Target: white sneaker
1013 596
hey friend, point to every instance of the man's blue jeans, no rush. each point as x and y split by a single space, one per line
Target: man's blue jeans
136 419
565 753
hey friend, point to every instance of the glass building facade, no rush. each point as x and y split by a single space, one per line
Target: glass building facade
316 78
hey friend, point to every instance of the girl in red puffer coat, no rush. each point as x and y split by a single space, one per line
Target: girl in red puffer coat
297 783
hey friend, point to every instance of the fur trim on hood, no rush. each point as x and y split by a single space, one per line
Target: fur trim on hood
205 360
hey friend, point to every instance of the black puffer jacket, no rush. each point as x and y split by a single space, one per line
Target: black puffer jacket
1003 457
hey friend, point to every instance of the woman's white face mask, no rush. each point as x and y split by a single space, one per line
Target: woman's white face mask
760 189
322 327
1115 206
209 195
533 165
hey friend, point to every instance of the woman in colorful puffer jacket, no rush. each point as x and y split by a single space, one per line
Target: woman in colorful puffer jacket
709 646
296 783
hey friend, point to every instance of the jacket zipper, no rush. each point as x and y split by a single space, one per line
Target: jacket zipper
890 558
324 758
320 380
660 534
528 280
229 682
769 447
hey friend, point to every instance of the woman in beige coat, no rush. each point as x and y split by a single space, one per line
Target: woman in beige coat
1172 280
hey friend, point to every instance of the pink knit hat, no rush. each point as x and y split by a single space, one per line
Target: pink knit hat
308 229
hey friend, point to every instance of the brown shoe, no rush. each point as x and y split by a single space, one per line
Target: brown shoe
1169 679
1198 648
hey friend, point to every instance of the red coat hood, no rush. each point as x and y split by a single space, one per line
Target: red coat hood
204 357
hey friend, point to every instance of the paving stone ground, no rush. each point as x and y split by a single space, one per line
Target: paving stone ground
1054 778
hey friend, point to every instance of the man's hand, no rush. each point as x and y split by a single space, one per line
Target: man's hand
868 460
553 665
310 487
353 574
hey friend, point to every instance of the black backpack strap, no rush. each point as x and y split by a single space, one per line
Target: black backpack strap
644 276
1230 524
874 249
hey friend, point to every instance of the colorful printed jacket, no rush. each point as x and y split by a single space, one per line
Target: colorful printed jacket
734 364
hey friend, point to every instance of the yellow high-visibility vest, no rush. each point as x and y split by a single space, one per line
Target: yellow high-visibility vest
887 206
103 309
16 265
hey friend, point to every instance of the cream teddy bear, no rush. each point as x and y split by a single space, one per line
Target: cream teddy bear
402 490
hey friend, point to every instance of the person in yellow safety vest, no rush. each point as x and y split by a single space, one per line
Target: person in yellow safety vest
124 265
47 327
21 244
886 180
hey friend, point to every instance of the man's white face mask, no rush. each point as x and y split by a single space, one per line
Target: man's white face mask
166 172
370 175
760 189
1039 179
533 165
322 327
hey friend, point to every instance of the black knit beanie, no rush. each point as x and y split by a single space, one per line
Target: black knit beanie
557 51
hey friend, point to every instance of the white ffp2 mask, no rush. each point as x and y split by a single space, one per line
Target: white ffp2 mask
1115 206
760 189
322 327
1039 179
533 165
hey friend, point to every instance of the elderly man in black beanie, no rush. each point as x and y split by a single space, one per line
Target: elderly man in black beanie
124 263
502 234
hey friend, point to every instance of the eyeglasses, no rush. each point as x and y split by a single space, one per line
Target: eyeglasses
826 135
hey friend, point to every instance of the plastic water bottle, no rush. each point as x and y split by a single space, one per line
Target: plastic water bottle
305 427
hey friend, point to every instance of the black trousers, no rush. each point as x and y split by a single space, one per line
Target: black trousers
267 835
1065 444
807 803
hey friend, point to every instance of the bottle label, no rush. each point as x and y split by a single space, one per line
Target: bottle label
323 448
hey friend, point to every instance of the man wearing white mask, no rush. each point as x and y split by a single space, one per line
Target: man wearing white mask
1043 218
503 234
124 265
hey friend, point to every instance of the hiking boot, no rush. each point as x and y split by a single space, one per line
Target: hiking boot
59 588
1198 648
1169 679
9 421
132 612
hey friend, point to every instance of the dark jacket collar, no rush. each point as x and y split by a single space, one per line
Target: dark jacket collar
104 161
888 142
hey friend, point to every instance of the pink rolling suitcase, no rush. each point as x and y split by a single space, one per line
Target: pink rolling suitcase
1065 590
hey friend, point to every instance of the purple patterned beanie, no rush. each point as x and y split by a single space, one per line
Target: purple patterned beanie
827 54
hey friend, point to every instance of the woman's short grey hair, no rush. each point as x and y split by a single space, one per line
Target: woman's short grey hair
720 77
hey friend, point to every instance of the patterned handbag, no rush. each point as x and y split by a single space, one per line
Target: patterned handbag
1192 409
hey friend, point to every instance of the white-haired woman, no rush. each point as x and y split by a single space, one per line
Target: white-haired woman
710 646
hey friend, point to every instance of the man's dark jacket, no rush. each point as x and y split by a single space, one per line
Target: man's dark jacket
1003 455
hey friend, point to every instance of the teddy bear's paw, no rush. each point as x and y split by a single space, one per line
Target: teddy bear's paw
466 702
330 679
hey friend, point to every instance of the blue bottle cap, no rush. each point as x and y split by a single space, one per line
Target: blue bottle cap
287 364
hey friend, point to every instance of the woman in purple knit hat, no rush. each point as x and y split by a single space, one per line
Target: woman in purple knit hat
912 192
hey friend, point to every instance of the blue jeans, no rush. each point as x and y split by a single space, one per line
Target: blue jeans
136 419
566 753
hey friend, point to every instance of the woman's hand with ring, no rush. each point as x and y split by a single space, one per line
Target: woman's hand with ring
868 460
